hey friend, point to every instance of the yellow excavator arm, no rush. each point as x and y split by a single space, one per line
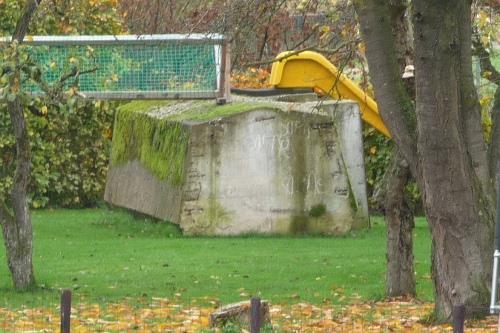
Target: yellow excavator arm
312 70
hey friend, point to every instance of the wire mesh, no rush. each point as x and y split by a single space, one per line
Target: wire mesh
128 67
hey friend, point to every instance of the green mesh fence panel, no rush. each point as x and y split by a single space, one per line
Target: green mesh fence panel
153 66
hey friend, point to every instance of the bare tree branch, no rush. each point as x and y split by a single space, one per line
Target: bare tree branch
296 52
77 74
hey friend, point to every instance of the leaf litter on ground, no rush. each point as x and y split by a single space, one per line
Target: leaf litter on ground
164 315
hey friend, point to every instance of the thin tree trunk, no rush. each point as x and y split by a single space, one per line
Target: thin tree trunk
494 153
18 233
386 36
395 104
489 72
403 37
400 278
459 217
17 228
470 109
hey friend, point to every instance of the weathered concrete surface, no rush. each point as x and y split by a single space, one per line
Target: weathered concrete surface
349 127
267 170
132 186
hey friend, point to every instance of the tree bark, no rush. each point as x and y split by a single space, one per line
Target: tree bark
25 19
386 38
469 108
400 277
16 226
17 231
489 72
403 36
439 141
494 151
395 104
455 200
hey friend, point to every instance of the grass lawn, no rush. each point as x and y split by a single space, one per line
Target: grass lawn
108 255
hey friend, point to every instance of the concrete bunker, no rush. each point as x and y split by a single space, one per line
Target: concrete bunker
282 165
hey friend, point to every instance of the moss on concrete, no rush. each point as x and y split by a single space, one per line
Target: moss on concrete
144 105
360 221
352 198
299 225
208 110
317 210
305 224
160 145
210 221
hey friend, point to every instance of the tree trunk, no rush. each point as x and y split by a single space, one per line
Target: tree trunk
489 72
456 204
17 228
439 141
395 104
403 36
385 30
469 108
494 153
400 278
19 248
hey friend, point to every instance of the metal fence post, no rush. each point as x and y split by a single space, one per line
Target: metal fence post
65 310
458 318
255 315
224 93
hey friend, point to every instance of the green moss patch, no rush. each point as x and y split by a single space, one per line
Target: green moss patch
317 210
159 144
208 110
299 225
144 105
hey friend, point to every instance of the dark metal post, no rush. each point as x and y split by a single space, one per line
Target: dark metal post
458 318
255 315
65 310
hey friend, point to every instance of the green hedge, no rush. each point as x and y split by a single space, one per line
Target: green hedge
70 153
70 143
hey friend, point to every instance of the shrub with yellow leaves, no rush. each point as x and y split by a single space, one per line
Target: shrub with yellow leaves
70 138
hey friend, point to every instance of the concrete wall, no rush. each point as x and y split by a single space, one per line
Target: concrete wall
349 127
280 169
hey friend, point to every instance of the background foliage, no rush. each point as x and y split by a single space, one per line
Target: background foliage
70 137
71 144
